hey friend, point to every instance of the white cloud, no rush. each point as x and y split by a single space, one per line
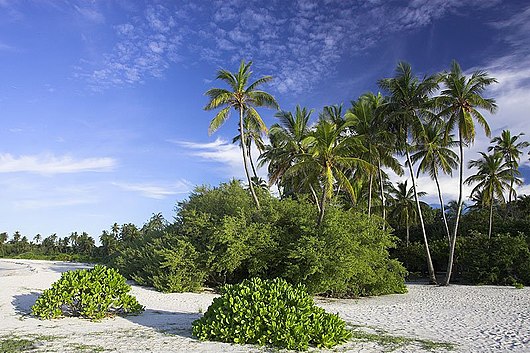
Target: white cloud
32 204
158 190
224 153
49 164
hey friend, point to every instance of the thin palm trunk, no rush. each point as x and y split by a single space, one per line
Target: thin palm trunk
383 206
244 149
458 212
370 195
442 207
407 240
322 205
314 193
491 214
251 162
430 267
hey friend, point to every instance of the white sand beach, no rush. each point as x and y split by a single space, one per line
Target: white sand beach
474 319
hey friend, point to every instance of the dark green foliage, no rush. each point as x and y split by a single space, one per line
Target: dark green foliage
91 293
158 257
346 255
270 312
220 237
503 259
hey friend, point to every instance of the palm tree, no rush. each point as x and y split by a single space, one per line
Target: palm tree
460 100
404 206
494 176
434 153
511 151
286 148
367 119
244 98
329 157
408 106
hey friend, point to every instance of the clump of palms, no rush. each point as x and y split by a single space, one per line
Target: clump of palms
404 206
408 107
493 177
511 149
243 97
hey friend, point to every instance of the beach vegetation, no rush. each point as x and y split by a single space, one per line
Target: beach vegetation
89 293
270 312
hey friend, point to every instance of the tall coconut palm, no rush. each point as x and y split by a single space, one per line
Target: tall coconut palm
244 98
461 98
493 177
408 106
329 157
433 152
404 206
511 150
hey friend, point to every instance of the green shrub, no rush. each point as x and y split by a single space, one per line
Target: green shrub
90 293
162 260
270 312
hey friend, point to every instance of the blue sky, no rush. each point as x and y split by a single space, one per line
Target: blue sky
101 101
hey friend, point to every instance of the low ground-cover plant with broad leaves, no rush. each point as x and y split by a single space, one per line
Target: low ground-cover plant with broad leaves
89 293
270 312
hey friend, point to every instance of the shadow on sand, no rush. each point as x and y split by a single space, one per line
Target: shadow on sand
23 303
61 267
167 322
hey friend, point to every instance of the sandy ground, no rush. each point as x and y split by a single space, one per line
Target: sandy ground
474 319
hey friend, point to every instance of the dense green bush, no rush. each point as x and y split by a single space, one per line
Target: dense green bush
270 312
161 259
90 293
504 259
220 237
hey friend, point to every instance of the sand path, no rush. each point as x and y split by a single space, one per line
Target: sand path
474 319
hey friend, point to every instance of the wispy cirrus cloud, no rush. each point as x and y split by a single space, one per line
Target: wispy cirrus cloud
145 48
300 42
50 164
157 190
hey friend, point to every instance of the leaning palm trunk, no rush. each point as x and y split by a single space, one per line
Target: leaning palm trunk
315 197
458 212
383 206
430 267
440 197
251 162
245 163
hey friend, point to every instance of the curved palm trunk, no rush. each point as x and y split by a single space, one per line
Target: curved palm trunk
458 212
440 197
430 267
251 162
244 149
383 206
